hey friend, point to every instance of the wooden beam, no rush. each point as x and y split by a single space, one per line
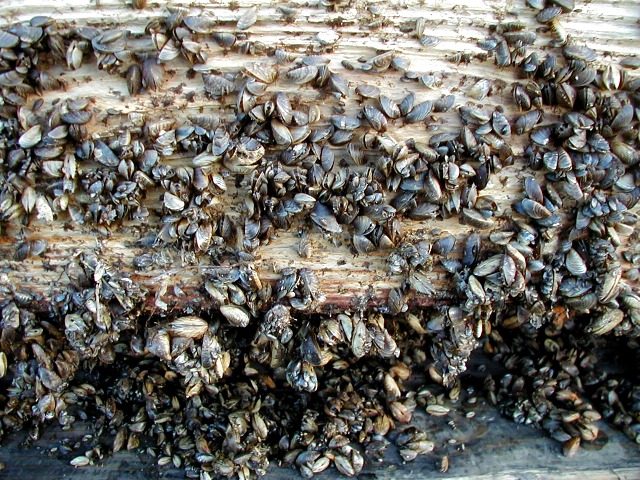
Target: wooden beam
342 274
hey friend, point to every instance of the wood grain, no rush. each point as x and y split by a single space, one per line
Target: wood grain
342 274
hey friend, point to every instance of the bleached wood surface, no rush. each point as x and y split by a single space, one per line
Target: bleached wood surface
610 27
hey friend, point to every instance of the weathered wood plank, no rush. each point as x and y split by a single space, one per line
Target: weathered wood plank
459 27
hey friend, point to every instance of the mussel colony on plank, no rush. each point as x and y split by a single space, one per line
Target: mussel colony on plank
272 371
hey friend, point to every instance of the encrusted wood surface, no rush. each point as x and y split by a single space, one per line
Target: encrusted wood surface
482 446
609 27
502 451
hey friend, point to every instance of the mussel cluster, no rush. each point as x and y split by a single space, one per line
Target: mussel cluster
271 371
